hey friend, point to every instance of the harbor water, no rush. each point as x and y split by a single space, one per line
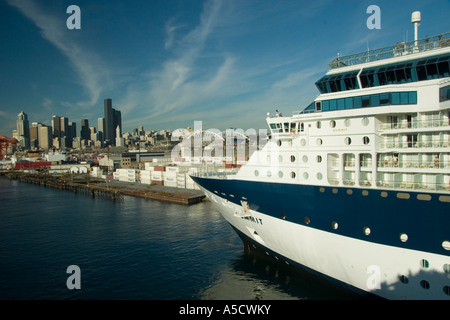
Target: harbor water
134 249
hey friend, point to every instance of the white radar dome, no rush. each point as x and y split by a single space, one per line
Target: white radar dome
415 17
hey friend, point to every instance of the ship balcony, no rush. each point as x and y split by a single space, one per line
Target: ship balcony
416 186
436 143
412 164
415 125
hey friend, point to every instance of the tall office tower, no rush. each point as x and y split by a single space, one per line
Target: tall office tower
56 126
101 129
73 130
109 122
65 132
34 135
45 137
117 123
85 132
23 130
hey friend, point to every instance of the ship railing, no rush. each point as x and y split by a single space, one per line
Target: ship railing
416 124
394 184
410 185
430 164
399 49
434 143
214 172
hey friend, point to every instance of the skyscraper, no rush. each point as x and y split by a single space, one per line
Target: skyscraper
56 126
23 130
85 132
101 129
113 119
109 122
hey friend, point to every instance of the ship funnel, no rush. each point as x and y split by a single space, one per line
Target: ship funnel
415 18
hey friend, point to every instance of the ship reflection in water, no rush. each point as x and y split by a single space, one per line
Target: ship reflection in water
253 277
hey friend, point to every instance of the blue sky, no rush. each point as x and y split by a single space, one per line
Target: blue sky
168 63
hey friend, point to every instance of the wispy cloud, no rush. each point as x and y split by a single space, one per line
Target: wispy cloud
86 65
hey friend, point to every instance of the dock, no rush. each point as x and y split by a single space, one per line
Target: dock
115 190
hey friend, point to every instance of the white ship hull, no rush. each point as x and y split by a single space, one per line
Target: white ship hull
362 265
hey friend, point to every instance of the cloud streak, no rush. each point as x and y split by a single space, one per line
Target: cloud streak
87 65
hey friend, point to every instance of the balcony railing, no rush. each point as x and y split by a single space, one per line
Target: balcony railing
401 49
436 143
416 124
434 164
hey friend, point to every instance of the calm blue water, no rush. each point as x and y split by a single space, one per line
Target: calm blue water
136 249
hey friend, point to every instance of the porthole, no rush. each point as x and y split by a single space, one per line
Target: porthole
269 174
280 174
292 158
347 122
349 192
446 245
305 158
334 190
319 159
348 141
424 263
307 221
322 189
279 143
292 174
365 193
366 231
256 173
319 176
303 142
384 194
447 290
332 123
446 268
305 175
318 124
402 195
404 279
319 141
403 237
366 140
334 225
424 197
425 284
365 121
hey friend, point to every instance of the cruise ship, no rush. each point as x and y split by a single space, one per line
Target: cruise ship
355 187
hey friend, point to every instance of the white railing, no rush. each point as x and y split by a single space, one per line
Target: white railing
400 49
416 124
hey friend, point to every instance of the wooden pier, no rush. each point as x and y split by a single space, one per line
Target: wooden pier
114 190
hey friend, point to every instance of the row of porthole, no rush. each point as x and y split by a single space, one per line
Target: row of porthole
403 237
347 122
319 141
293 174
424 283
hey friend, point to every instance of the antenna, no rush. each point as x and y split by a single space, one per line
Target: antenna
415 19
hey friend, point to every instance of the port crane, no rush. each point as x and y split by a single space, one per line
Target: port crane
5 143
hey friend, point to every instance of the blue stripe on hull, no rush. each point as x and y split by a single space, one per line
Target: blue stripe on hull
426 223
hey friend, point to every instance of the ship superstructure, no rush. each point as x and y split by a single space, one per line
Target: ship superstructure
356 187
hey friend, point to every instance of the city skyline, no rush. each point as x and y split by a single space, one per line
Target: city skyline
166 64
